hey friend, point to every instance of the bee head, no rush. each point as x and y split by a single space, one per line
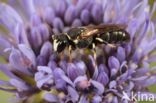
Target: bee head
60 42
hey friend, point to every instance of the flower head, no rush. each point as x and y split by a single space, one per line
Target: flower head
35 69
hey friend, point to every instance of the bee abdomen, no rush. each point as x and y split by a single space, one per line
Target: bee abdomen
115 37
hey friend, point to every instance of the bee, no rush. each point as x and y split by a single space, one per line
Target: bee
90 36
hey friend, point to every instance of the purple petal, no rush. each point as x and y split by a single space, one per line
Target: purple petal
52 65
81 4
70 14
4 45
28 52
28 7
123 67
49 15
115 99
44 31
97 13
80 78
9 90
58 23
41 60
40 4
139 78
128 49
112 84
103 78
83 99
108 10
5 69
46 82
51 98
19 84
81 67
97 99
18 62
66 29
85 16
65 78
54 57
103 68
21 35
39 76
73 93
90 4
46 50
63 65
146 82
133 23
61 8
59 74
56 31
98 86
35 20
121 54
5 83
72 72
35 38
113 62
44 77
130 86
76 23
44 69
10 15
141 71
123 77
113 73
92 60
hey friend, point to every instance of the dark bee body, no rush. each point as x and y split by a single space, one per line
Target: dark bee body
89 36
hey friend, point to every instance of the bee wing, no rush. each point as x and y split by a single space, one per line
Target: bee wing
93 30
107 26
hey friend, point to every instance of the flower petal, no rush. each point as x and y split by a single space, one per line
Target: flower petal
19 84
28 52
85 16
50 97
61 7
35 20
73 93
49 15
21 35
73 71
58 23
10 15
103 78
113 62
97 99
70 14
98 86
46 50
76 23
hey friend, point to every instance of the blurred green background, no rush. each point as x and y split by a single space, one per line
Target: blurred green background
5 95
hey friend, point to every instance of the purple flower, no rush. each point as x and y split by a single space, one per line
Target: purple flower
35 70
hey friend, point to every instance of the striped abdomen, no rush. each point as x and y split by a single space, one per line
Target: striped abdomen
120 36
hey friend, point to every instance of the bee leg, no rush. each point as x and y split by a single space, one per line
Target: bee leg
112 46
70 57
61 58
102 41
94 54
